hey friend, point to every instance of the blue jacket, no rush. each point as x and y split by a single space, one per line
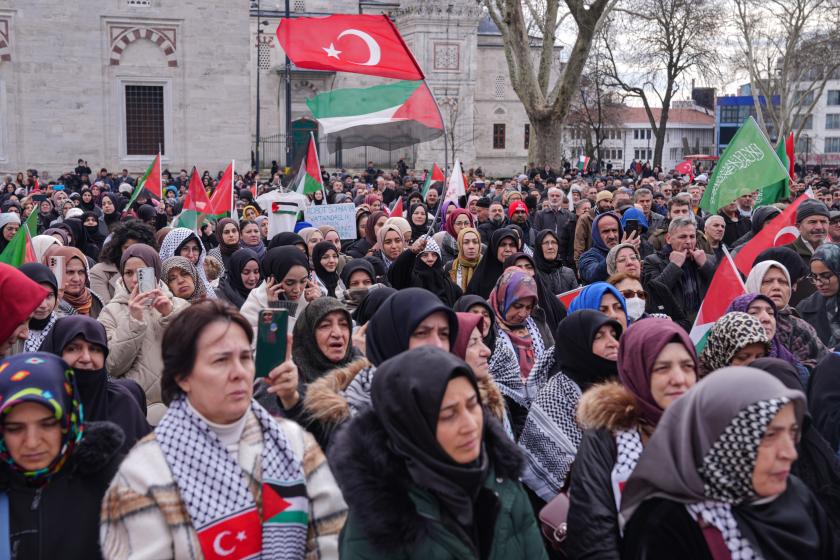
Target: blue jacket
593 263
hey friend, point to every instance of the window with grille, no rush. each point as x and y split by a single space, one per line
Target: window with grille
264 56
498 136
527 142
139 3
832 121
144 123
300 5
729 114
832 145
833 97
499 92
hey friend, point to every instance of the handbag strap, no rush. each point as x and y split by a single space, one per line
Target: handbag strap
5 545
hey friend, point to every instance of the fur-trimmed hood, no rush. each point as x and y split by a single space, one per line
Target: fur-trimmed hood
376 484
608 406
324 399
492 398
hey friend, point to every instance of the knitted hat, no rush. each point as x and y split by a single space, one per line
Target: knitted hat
483 202
603 195
810 208
515 207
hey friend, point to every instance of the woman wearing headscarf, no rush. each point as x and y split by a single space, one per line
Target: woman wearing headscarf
656 365
470 303
95 229
243 276
105 274
55 464
462 268
325 265
503 244
82 240
736 339
427 473
111 210
135 321
269 489
603 297
77 295
822 309
311 236
714 480
227 234
181 277
358 247
286 285
772 279
421 267
251 238
403 225
407 319
418 219
358 276
367 243
447 239
550 309
557 278
40 244
20 297
624 257
46 215
371 303
183 242
289 239
584 354
83 344
44 316
817 464
9 226
390 244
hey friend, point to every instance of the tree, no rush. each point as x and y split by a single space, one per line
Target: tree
790 49
456 137
666 39
545 103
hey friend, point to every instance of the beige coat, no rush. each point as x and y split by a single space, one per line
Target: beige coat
134 347
103 280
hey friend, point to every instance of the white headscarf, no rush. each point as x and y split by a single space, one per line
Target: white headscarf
175 239
756 277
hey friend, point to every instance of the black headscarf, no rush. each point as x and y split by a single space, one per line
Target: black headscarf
42 275
330 279
231 286
391 326
573 348
542 264
354 266
417 231
288 239
305 352
87 206
81 239
552 307
788 257
113 217
279 260
434 279
468 301
489 269
406 394
371 304
102 399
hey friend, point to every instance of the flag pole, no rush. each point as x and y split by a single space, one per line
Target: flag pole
445 156
318 163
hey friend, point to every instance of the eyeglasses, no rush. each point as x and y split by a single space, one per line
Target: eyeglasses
823 278
630 293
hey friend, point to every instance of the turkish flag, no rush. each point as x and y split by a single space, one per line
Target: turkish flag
685 168
362 44
234 538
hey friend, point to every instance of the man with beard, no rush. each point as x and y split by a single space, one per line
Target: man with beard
556 218
497 221
518 214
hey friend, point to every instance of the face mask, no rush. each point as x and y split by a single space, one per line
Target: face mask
635 307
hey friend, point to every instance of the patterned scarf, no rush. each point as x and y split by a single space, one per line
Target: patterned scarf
463 268
212 485
629 448
728 335
183 263
36 337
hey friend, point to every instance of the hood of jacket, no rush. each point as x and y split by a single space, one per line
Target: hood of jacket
607 406
597 242
377 485
325 401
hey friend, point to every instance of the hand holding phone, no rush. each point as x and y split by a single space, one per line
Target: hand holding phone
272 327
146 280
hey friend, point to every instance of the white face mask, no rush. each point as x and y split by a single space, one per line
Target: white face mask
635 307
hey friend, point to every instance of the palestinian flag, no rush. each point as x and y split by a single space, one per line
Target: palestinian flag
583 162
436 176
388 117
150 182
726 285
566 298
309 177
20 249
196 204
221 203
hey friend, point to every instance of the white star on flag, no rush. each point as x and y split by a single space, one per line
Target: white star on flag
240 536
332 51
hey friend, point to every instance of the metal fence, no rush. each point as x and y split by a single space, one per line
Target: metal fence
273 148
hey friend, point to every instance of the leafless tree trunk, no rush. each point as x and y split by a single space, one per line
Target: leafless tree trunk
664 40
790 48
546 103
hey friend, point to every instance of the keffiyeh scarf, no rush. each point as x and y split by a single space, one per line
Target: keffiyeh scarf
36 337
173 240
213 487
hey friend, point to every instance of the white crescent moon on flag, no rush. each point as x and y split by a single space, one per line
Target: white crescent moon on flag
787 230
217 545
372 45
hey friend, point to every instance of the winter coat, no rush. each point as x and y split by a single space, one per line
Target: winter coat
144 515
134 347
814 311
662 281
583 236
103 280
593 518
392 518
559 281
592 265
61 519
554 220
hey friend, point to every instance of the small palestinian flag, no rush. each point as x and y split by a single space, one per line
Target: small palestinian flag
583 162
20 250
436 176
726 285
196 204
150 182
388 116
309 177
285 503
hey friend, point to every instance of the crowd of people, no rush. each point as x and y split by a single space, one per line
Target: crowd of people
437 398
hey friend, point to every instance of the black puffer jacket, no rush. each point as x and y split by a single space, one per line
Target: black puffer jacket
61 519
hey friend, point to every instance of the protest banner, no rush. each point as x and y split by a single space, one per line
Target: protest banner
340 216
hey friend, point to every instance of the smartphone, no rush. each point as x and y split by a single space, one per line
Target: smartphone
57 268
146 281
631 226
272 325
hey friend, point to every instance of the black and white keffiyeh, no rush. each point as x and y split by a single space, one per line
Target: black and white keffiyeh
357 392
36 337
213 487
173 240
628 445
505 370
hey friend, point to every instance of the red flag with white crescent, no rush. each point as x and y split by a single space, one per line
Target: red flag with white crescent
234 538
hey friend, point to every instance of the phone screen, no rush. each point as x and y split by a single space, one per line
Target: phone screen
272 328
631 226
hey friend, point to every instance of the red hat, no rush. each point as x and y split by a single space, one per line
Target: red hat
19 296
518 205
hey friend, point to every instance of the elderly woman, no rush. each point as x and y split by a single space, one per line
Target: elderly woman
182 242
272 493
135 321
772 279
428 474
549 264
714 480
181 277
56 465
821 308
736 339
624 257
